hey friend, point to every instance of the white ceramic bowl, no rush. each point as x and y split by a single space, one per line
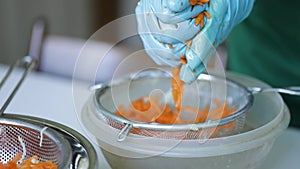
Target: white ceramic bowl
266 120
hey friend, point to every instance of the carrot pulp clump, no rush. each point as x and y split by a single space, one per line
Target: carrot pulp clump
149 109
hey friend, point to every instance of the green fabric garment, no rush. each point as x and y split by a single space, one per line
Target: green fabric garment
267 46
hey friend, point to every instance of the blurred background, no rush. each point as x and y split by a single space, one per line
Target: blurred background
69 24
67 18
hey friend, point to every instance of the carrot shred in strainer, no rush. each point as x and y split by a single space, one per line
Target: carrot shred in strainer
149 109
30 163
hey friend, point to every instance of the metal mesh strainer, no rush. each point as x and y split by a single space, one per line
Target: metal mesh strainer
108 97
51 146
48 140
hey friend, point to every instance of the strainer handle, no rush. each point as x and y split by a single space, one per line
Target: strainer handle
292 90
29 63
124 132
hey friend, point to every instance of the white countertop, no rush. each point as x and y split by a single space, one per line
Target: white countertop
51 97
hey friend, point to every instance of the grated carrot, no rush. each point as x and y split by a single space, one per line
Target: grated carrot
177 87
148 109
200 17
30 163
198 2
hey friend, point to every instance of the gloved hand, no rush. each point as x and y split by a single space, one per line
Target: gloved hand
167 26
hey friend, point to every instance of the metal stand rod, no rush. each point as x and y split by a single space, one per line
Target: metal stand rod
29 63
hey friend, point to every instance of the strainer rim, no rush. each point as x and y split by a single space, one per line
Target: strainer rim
154 73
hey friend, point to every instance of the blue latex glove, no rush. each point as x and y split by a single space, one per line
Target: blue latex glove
162 23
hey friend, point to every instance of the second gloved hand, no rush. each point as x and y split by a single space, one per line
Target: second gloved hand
166 27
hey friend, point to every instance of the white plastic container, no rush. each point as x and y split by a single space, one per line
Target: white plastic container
267 119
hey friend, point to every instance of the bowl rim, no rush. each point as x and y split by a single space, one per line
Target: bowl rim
106 136
142 146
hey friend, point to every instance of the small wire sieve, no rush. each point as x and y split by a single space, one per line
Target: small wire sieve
108 97
32 136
